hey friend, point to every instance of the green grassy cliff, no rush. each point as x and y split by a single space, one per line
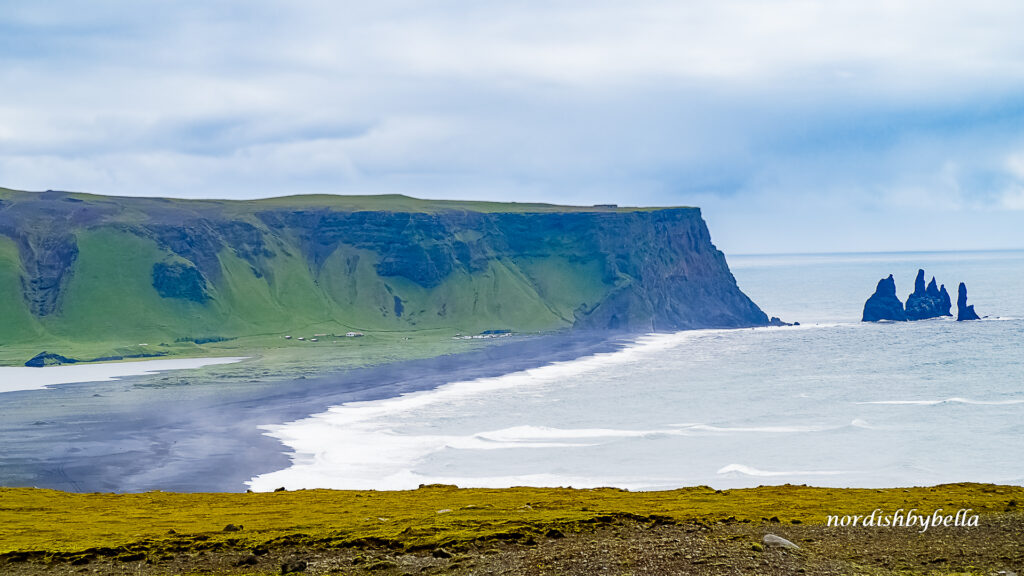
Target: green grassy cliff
104 275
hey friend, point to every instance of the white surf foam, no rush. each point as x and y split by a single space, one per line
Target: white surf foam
743 470
949 401
352 446
359 445
15 378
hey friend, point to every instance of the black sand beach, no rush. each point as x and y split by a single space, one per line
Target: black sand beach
132 435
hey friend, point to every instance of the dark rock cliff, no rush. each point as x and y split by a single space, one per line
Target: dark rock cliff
660 265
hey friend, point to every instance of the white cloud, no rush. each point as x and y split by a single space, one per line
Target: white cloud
858 108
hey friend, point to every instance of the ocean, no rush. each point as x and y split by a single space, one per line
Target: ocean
831 402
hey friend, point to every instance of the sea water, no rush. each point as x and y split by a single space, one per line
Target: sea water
831 402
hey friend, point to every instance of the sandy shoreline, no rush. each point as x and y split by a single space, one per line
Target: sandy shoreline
127 436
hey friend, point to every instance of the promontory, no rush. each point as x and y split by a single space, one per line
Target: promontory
138 274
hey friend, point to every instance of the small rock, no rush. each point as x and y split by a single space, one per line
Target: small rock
281 489
232 528
441 553
444 511
755 547
292 566
773 540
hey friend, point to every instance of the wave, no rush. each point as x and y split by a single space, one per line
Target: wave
856 423
948 401
743 470
354 446
381 443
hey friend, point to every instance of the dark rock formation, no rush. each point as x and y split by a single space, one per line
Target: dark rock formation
963 311
930 302
47 359
884 304
177 280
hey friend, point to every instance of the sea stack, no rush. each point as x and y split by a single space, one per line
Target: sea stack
883 304
930 302
963 311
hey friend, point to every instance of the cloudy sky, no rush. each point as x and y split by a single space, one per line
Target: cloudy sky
798 126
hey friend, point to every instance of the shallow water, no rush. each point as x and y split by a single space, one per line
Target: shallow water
19 378
832 402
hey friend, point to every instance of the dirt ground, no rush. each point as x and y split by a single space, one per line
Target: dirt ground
617 547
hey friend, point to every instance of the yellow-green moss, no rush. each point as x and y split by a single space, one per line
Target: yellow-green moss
50 522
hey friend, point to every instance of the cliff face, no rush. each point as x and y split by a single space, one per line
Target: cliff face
76 266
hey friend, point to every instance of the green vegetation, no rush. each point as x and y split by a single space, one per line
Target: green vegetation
63 527
402 203
16 322
33 519
87 276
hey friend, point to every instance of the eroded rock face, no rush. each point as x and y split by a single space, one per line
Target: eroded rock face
177 280
930 302
884 304
43 229
963 310
665 272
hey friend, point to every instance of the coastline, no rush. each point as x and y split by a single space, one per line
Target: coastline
209 440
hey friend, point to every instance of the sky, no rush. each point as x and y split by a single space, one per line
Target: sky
797 126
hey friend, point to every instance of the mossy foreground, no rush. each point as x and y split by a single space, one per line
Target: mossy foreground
441 529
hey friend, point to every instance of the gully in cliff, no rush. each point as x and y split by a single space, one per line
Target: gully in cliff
925 302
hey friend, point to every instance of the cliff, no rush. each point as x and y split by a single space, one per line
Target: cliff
78 267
